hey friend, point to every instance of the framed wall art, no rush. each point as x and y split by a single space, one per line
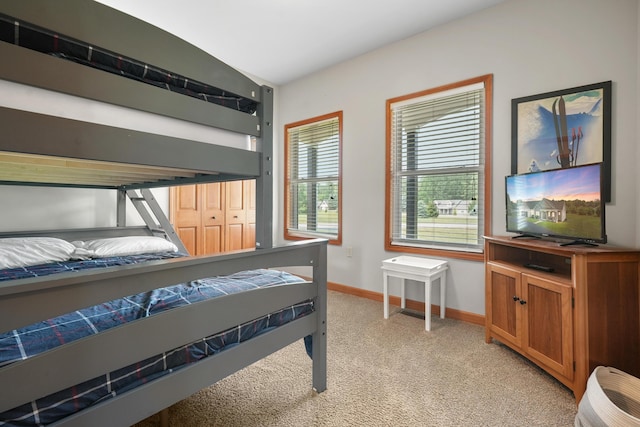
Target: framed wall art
562 129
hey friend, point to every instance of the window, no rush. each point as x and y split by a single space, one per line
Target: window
313 178
437 200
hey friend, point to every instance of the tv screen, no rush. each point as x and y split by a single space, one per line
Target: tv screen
560 203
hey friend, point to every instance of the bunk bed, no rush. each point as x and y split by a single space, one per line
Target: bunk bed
83 49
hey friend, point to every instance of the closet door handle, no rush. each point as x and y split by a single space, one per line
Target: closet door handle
515 298
522 302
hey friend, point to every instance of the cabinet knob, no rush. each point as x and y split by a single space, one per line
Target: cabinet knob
515 298
522 302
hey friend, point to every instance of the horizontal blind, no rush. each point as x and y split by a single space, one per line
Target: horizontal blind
437 169
313 177
314 151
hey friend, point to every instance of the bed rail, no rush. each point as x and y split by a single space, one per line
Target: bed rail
26 301
98 156
151 398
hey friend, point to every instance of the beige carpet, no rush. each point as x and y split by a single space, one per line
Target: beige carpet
385 373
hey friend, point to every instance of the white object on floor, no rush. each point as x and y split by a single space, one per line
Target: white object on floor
420 269
612 399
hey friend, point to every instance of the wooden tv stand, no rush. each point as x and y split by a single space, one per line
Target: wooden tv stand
582 313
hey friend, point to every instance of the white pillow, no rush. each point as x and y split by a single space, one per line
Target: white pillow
121 246
25 251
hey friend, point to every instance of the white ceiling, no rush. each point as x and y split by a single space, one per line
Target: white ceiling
282 40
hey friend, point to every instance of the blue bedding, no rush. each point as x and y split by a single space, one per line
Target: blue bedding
28 341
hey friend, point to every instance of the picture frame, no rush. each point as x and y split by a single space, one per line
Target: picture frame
561 129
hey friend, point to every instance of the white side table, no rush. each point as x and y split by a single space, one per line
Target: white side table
421 269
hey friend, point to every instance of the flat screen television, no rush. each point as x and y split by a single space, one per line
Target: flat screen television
560 203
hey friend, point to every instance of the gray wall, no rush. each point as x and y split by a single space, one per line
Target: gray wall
530 47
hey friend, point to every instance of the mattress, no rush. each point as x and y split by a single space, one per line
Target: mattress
29 341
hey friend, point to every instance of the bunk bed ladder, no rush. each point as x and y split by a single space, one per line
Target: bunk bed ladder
153 216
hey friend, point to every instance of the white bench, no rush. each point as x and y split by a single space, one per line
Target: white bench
420 269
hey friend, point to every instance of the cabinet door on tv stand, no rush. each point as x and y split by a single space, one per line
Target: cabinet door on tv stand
548 323
503 315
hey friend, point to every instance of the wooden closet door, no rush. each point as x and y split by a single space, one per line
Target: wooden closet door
235 215
213 217
186 216
250 232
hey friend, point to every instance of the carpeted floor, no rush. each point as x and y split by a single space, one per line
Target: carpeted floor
385 373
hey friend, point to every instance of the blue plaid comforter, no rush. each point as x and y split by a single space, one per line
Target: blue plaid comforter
26 342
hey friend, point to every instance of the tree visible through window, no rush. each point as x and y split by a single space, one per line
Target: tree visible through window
436 169
313 178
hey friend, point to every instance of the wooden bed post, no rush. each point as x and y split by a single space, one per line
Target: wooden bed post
264 184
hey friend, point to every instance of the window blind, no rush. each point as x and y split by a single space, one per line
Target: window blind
437 166
313 178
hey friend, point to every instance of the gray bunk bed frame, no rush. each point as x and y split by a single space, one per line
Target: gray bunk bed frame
47 144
